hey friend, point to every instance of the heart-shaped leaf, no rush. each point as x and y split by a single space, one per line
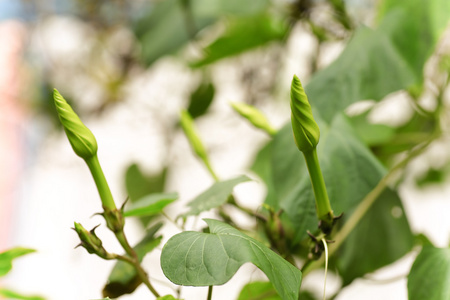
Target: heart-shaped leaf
204 259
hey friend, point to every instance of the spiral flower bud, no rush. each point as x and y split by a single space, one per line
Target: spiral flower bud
80 137
306 130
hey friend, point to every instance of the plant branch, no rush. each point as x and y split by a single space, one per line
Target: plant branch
135 261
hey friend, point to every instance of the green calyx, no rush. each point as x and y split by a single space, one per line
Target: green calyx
306 130
80 137
90 241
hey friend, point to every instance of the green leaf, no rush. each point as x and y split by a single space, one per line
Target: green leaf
8 256
139 184
388 59
433 176
259 290
369 247
405 20
8 294
203 259
201 99
123 278
243 34
167 26
307 295
215 196
380 70
430 275
150 205
371 134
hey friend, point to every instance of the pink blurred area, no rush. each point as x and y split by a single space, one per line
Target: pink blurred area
12 116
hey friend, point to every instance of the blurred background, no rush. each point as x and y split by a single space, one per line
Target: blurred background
128 68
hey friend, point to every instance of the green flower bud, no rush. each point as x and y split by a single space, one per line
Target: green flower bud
256 117
90 241
187 123
306 130
80 137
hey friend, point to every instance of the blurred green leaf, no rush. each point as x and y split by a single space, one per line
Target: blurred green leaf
417 130
380 238
201 99
433 176
423 240
371 134
406 20
139 184
243 34
259 290
214 196
8 294
430 275
169 25
8 256
306 295
150 205
378 62
220 8
370 67
123 278
202 259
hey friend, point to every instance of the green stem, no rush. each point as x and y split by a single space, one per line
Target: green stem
100 182
323 207
210 169
210 289
135 262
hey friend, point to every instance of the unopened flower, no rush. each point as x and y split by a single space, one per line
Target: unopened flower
80 137
306 130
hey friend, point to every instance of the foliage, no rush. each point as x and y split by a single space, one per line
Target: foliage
342 193
6 259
